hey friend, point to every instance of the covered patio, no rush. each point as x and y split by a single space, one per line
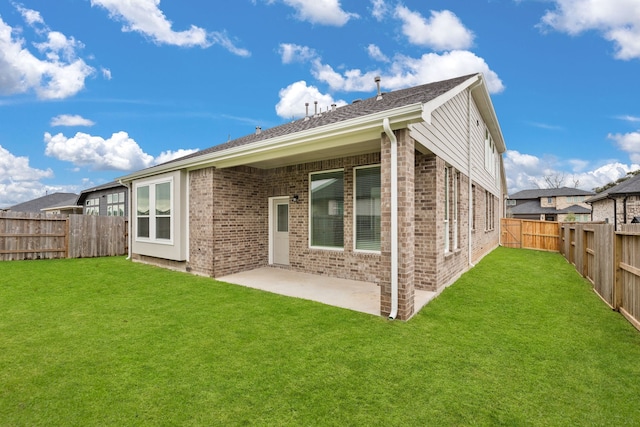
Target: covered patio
350 294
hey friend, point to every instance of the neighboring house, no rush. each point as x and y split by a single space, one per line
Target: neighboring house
552 204
619 204
66 207
110 199
58 202
404 189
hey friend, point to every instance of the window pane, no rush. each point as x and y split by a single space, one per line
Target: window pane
143 227
163 227
109 198
283 218
163 199
327 206
368 209
143 200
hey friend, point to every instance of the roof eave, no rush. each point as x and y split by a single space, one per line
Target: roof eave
335 133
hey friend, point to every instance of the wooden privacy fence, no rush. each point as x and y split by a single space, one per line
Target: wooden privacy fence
530 234
39 236
610 260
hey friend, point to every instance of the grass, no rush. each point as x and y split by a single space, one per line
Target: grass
519 340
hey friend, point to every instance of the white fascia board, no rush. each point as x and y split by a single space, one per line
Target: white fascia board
319 137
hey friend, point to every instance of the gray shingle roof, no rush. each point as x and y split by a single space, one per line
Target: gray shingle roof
630 186
533 207
549 192
36 205
390 100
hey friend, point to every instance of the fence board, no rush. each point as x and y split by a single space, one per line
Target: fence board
530 234
39 236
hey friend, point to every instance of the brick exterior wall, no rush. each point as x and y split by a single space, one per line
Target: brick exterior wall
240 220
347 263
201 221
406 230
604 210
228 223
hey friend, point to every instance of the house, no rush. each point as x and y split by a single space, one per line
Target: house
54 203
551 204
619 204
404 189
111 199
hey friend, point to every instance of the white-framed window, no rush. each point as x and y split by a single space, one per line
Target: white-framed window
153 211
447 241
115 204
92 207
366 227
473 207
489 218
326 209
489 154
451 208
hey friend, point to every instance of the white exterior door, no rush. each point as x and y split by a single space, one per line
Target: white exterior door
280 231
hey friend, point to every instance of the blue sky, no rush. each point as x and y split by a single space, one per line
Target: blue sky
93 89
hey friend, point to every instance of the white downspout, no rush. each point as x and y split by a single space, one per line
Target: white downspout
470 171
394 218
129 252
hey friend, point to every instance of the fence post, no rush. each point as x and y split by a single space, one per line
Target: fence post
66 238
617 274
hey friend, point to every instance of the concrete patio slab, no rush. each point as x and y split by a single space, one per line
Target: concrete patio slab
350 294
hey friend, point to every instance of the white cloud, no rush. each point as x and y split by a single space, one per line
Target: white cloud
617 20
19 181
405 71
525 171
119 152
631 119
324 12
60 74
30 16
442 31
71 120
376 54
294 96
16 168
145 17
167 156
106 73
290 53
628 142
379 9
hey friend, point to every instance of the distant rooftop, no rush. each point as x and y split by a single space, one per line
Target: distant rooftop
36 205
549 192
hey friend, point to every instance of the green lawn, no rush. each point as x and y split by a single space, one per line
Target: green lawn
519 340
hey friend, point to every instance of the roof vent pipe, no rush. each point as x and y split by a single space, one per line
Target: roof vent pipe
377 80
333 107
306 115
258 130
315 111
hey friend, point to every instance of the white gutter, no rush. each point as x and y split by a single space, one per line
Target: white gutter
333 135
130 199
394 217
470 172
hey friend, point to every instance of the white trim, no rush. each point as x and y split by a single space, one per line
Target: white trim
271 218
322 137
355 208
152 216
326 248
